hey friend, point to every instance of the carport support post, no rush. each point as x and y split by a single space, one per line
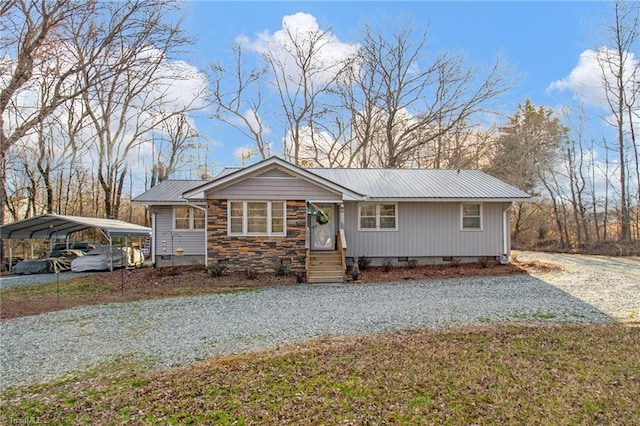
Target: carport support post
57 281
111 254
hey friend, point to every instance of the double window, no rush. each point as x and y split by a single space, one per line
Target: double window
471 217
378 217
188 219
257 218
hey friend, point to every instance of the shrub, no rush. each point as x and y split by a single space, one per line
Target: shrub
301 277
483 262
282 270
216 270
363 262
250 273
412 263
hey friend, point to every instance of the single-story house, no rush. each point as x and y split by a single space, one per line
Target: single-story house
317 221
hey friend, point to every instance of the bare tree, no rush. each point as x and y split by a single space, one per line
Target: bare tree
18 193
237 97
138 96
72 47
176 138
464 147
621 85
303 78
33 35
419 99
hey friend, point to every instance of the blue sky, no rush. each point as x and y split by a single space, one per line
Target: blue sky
543 41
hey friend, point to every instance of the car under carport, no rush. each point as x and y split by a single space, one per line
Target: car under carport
50 226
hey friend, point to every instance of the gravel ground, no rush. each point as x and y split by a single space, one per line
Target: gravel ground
179 331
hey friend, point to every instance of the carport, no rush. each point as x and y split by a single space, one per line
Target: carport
50 226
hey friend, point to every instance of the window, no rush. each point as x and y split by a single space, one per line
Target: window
368 216
235 217
188 218
471 217
198 218
378 217
256 217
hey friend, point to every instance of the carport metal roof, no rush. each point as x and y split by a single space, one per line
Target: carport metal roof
49 225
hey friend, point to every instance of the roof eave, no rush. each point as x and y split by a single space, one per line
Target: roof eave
446 199
169 203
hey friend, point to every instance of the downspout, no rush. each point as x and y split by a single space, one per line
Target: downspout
152 248
506 234
206 230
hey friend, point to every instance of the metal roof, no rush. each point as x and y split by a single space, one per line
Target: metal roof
49 225
422 183
168 192
381 184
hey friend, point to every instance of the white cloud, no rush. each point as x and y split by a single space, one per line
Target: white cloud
298 32
587 78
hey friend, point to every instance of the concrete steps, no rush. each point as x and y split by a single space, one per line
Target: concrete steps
325 267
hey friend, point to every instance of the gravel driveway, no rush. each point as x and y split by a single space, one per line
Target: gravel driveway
178 331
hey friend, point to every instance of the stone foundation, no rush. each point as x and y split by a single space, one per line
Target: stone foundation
262 254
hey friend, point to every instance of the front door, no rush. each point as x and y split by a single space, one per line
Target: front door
323 235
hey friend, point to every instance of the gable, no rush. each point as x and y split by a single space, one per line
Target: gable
275 172
273 178
274 183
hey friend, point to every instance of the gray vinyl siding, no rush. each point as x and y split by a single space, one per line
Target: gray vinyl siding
426 229
192 242
274 188
274 173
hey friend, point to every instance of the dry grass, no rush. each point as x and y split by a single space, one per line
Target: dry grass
123 286
509 374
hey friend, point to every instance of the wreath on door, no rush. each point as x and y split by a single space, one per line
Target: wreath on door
321 216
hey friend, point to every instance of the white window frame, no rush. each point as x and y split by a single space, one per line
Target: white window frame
269 232
377 228
480 216
191 219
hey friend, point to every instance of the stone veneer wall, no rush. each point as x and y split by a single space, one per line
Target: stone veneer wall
261 253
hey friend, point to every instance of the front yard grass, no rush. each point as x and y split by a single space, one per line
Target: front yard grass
496 374
117 286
